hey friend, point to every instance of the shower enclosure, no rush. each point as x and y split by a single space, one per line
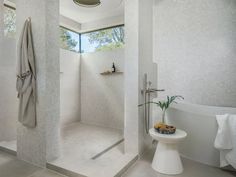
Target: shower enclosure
92 111
91 102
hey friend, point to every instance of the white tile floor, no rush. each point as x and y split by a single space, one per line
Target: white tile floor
191 169
81 142
12 167
77 158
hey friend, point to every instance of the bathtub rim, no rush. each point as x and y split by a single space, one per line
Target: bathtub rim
203 109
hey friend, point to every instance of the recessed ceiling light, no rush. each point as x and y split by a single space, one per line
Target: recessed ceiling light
87 3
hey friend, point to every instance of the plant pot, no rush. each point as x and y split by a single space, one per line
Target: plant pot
165 129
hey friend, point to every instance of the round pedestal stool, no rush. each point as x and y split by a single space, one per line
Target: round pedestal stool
166 159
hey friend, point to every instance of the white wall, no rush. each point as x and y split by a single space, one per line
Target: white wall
69 23
103 23
195 47
8 95
69 87
138 60
102 96
146 64
131 131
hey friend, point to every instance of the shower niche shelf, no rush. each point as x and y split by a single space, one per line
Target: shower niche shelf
111 73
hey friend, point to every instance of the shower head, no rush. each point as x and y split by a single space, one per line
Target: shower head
87 3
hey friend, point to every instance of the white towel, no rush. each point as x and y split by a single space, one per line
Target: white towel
226 139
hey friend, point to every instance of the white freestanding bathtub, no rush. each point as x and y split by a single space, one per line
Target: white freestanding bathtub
200 124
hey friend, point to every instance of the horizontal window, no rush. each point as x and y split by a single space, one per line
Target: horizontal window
102 40
69 40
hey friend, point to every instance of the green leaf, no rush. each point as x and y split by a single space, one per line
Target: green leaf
164 105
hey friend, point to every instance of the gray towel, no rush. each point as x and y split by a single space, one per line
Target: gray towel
26 78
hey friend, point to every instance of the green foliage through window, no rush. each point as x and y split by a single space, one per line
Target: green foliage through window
100 40
69 40
9 22
103 40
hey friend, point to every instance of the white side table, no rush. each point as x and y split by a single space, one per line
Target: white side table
166 159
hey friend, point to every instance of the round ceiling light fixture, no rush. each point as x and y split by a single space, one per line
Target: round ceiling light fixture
87 3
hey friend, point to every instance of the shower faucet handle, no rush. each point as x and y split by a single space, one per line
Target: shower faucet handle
150 90
161 90
155 90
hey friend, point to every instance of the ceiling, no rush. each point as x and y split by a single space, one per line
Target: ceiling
108 8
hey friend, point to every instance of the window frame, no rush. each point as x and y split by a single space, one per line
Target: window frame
8 6
101 29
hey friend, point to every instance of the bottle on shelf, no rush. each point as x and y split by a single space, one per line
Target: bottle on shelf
113 68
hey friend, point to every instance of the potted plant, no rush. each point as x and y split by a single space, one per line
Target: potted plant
162 127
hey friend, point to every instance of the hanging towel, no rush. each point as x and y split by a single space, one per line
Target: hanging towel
225 140
26 78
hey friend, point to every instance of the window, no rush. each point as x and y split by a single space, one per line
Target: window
69 40
9 22
102 40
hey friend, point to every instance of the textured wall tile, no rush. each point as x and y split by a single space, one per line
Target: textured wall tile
102 96
8 101
42 143
69 87
195 47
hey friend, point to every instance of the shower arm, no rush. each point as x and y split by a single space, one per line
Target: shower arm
151 90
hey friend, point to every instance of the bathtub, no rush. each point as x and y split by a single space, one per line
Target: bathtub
200 124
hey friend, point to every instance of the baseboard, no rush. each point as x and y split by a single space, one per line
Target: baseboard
124 169
63 171
9 151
